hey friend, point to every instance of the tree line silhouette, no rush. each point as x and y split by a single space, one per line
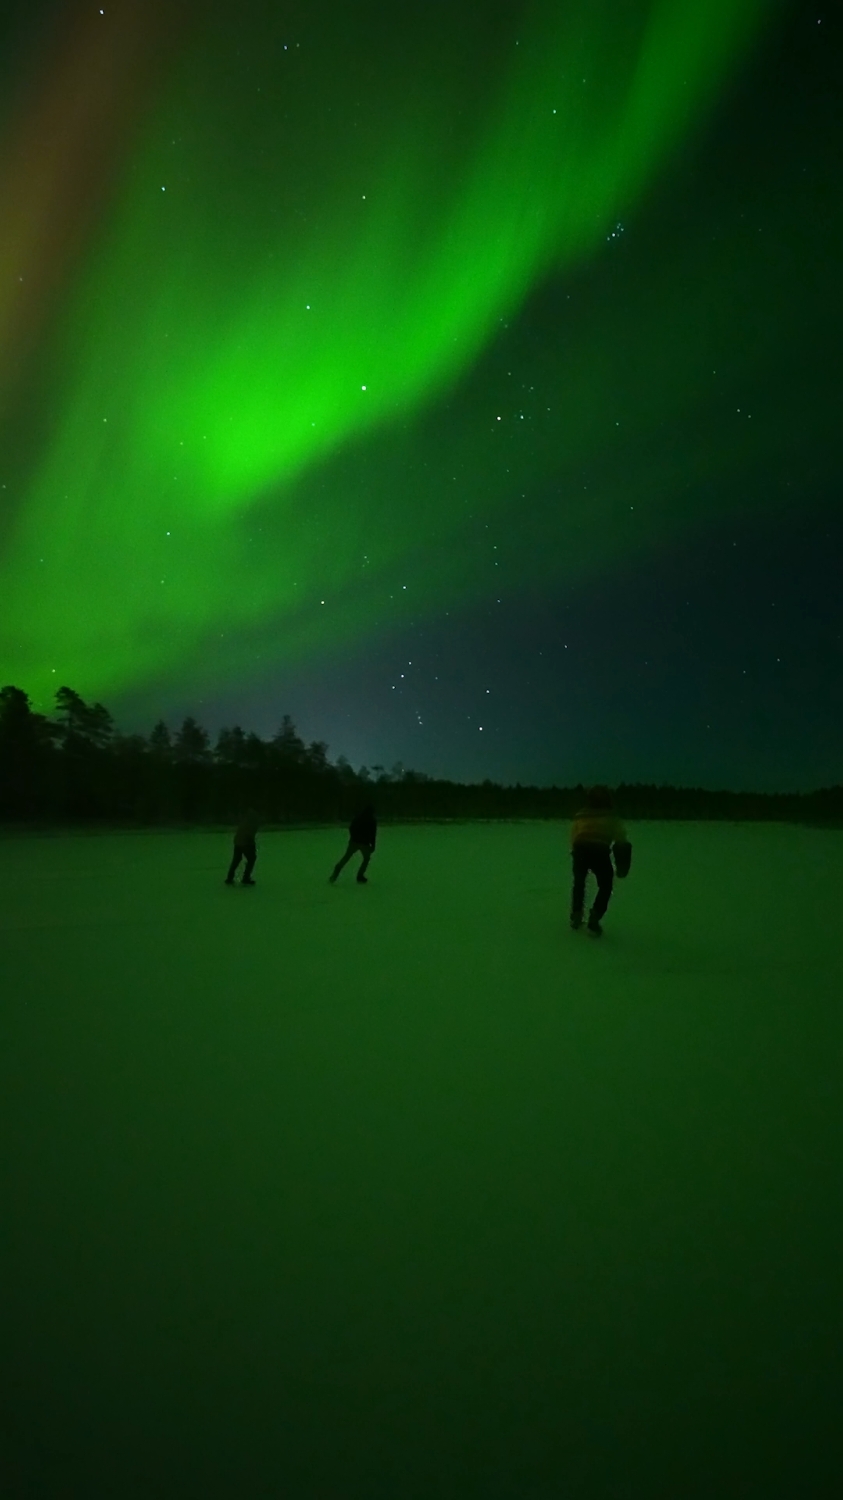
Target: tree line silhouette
76 767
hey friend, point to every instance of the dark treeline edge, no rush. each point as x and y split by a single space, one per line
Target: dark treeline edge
75 767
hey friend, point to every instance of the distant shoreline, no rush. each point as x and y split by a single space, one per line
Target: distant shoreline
101 829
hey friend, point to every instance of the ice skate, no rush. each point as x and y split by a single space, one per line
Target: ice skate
576 920
248 882
362 880
594 929
333 877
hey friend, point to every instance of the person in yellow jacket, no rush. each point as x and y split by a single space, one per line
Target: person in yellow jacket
595 830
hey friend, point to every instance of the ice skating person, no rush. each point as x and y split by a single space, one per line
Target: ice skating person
595 829
244 848
362 835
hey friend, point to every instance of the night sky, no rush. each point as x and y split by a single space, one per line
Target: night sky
463 380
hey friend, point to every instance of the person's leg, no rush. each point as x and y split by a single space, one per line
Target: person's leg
250 854
341 864
579 860
236 857
602 867
367 855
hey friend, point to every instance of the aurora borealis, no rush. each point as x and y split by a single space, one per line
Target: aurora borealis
328 334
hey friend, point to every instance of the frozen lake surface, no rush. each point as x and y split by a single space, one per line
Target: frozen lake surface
406 1191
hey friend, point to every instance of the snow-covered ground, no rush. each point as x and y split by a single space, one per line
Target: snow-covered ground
406 1191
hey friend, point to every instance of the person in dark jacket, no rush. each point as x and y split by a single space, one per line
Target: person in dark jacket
594 831
245 847
362 836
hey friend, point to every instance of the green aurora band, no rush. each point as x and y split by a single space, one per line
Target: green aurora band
276 296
